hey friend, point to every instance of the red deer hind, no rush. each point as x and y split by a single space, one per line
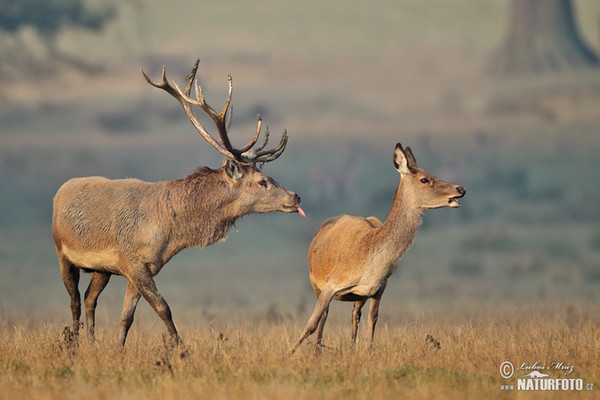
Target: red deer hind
351 258
133 228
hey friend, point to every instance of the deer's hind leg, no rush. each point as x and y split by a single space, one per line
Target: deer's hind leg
321 308
321 326
97 285
70 276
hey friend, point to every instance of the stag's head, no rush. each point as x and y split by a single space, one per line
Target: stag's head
423 189
258 193
255 191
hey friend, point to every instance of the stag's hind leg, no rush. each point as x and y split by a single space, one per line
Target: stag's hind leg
97 285
70 276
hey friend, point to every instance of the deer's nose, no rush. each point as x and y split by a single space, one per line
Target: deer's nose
461 190
297 198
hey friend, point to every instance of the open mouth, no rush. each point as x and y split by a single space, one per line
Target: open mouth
454 202
293 209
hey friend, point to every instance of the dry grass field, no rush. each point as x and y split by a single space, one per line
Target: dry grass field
250 361
513 275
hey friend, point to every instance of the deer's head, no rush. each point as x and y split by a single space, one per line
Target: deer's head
421 188
258 193
254 191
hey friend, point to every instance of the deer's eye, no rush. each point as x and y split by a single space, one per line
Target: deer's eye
424 180
263 183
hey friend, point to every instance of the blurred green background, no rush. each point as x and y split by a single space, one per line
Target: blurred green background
347 79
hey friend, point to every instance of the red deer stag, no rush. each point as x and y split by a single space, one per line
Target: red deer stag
133 228
351 258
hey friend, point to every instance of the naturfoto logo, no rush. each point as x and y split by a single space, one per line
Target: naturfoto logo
538 377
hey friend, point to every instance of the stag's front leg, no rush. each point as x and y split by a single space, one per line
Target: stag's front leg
97 285
132 296
141 278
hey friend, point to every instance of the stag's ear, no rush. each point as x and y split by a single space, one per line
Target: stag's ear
233 169
401 160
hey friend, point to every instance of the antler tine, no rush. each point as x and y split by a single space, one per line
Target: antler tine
228 106
182 99
163 85
255 138
222 119
265 140
217 117
229 115
226 112
270 155
191 76
199 94
223 125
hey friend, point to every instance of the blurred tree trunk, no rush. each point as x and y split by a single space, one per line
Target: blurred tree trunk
542 37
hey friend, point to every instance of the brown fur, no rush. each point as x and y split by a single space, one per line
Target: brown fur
351 258
133 228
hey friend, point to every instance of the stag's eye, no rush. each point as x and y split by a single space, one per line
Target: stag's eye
424 180
263 183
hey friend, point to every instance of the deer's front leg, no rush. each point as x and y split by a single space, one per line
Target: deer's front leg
132 296
374 310
356 315
141 278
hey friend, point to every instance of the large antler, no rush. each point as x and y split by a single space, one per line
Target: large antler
222 120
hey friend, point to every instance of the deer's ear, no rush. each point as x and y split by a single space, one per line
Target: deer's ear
401 160
233 170
410 157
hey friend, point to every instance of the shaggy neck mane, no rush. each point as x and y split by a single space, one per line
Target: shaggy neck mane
202 208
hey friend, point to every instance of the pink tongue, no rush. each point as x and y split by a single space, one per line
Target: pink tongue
301 212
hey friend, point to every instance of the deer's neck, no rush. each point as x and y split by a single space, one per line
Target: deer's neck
202 210
397 233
